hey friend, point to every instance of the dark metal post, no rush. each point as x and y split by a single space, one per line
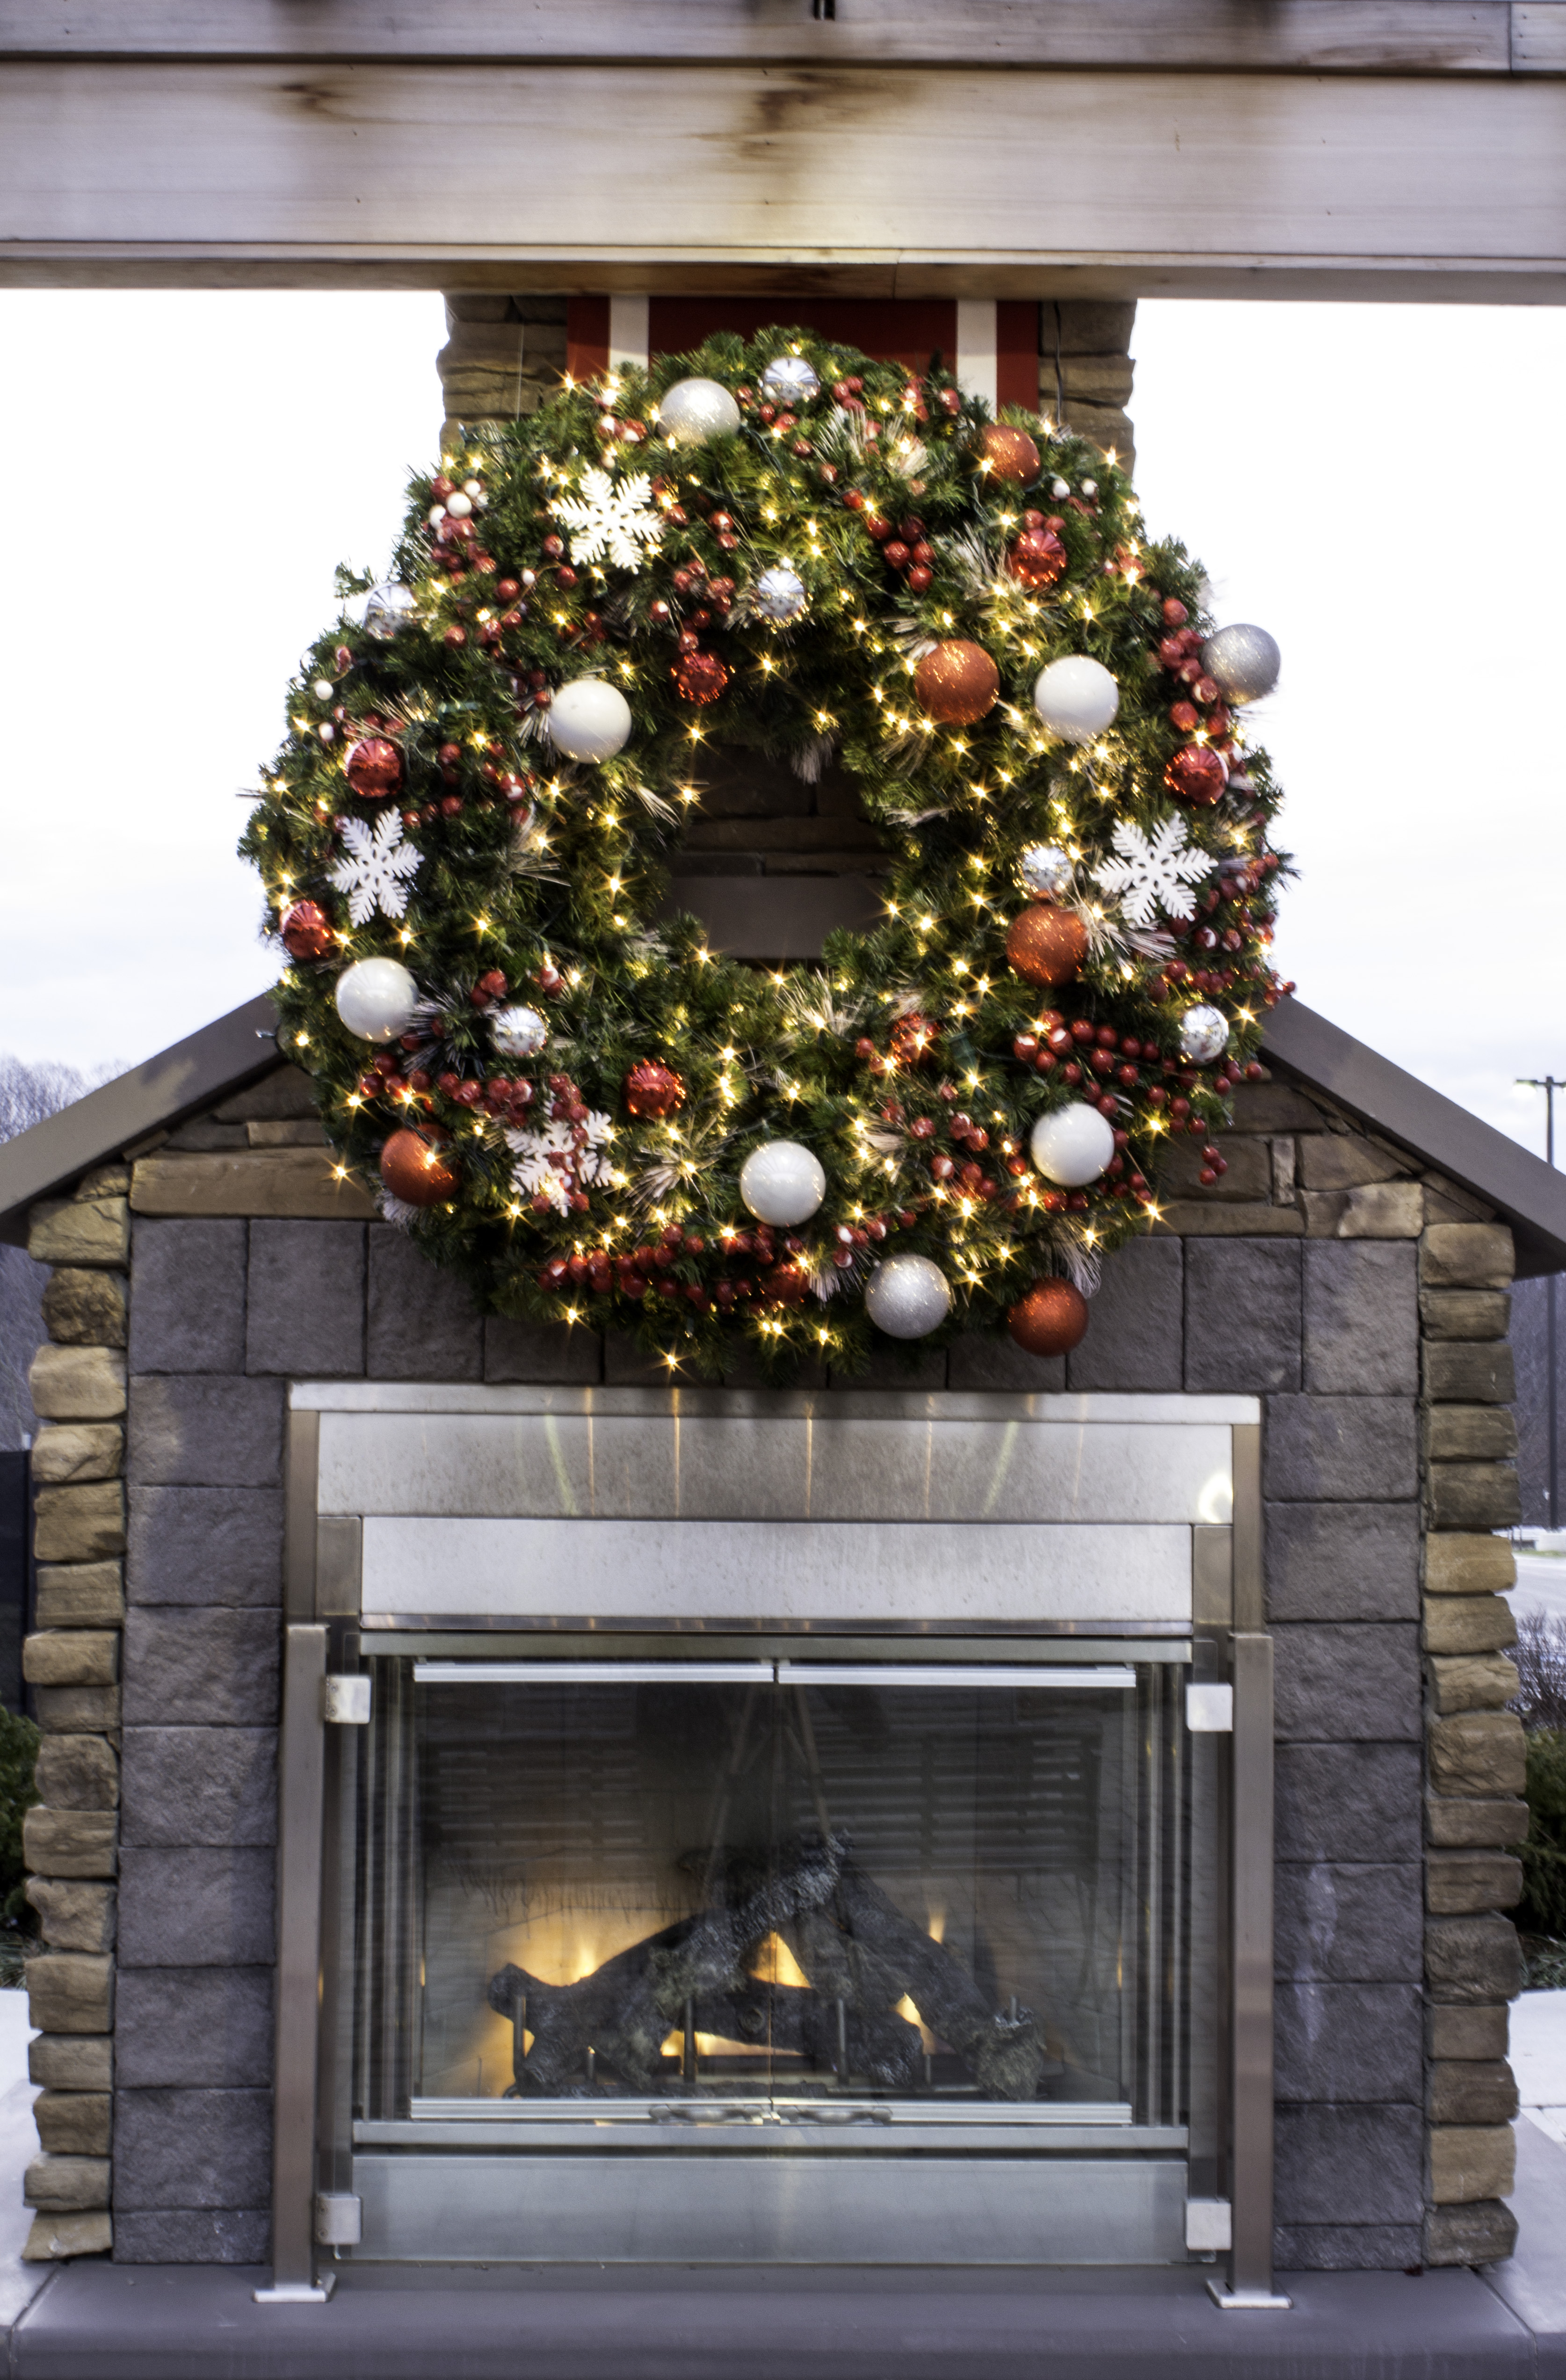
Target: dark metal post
1549 1085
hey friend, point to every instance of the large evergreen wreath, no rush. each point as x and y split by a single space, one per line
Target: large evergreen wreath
785 547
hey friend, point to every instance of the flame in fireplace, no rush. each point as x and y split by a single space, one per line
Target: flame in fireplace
776 1964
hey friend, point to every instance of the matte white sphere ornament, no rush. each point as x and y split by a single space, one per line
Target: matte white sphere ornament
388 608
376 998
782 1183
789 379
1204 1034
1075 698
907 1296
693 411
518 1032
590 720
458 505
780 593
1073 1145
1242 662
1044 871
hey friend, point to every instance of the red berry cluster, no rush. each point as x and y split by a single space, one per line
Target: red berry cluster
774 417
911 1038
905 550
609 427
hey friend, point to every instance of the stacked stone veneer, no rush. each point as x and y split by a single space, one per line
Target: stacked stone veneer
1361 1297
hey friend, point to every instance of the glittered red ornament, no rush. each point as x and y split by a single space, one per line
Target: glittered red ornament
1050 1320
652 1088
1011 454
911 1038
786 1284
416 1170
1037 558
373 768
1047 945
956 683
1197 774
699 677
306 930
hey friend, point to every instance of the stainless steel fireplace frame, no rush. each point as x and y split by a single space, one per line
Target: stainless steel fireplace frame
327 1632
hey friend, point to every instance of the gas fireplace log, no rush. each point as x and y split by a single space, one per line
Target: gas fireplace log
881 2048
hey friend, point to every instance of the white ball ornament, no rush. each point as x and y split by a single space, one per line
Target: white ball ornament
1204 1034
782 1183
517 1032
693 411
780 593
590 720
1242 663
376 998
324 689
789 379
1075 698
907 1296
459 506
1073 1145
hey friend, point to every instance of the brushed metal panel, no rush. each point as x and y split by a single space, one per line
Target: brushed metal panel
806 2210
764 1404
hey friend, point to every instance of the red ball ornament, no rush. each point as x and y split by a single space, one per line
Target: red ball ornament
1011 454
913 1039
653 1089
1197 774
786 1284
306 930
416 1170
700 678
1047 945
1037 558
1050 1320
956 683
373 768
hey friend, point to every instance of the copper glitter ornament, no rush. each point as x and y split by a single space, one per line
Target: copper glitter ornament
1197 774
911 1038
1047 945
373 768
699 677
416 1170
1037 558
955 683
1011 454
1049 1319
306 930
652 1089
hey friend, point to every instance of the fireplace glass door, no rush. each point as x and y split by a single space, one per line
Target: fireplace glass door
799 1891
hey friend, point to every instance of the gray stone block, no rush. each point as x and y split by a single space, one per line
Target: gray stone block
1361 1318
192 2149
1335 1562
184 2236
1337 1923
1241 1316
1340 1450
1348 1682
210 1785
188 1302
186 2027
541 1351
1343 2247
186 1431
422 1323
197 1908
1349 1802
305 1305
1346 2165
980 1361
205 1544
200 1668
895 1365
1355 2042
1137 1326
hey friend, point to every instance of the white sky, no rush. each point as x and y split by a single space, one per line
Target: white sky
1382 486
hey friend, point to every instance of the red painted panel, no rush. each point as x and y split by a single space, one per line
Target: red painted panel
894 330
1017 353
587 336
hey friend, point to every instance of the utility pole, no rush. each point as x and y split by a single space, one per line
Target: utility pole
1549 1085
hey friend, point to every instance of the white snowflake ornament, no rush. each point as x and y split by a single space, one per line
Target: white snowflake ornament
608 519
377 869
1152 872
560 1157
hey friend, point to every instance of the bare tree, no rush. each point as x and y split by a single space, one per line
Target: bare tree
28 1094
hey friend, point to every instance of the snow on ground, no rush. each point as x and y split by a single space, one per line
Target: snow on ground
1541 1584
18 2145
1538 2060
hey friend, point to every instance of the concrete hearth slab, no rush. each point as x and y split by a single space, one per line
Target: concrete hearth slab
1533 2282
102 2321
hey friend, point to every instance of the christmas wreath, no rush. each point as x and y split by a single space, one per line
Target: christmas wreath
786 548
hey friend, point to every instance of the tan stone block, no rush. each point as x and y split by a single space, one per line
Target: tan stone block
1458 1823
1461 1883
1471 1682
1471 2161
77 1384
70 1842
1274 1106
79 1525
1465 1372
85 1309
61 2185
1466 1256
73 2123
111 1180
1479 1754
1184 1218
76 1710
81 1595
1468 1563
1469 1434
78 1772
1473 1496
65 1453
75 1657
1461 2091
55 2238
66 2061
1342 1160
80 1231
297 1132
1380 1210
286 1091
1249 1175
75 1916
68 1992
284 1182
1468 1623
1447 1202
1465 1312
1466 2032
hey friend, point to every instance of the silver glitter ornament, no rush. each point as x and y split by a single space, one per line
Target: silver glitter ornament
789 379
780 593
387 608
518 1032
907 1296
1044 871
1204 1034
1242 663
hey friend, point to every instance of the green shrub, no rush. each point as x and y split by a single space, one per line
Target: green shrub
1543 1906
18 1750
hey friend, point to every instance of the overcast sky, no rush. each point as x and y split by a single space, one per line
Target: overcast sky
1382 486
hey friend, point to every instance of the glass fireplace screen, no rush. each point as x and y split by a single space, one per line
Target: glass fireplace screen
603 1886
